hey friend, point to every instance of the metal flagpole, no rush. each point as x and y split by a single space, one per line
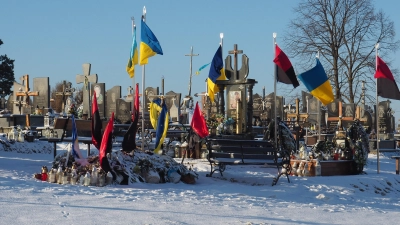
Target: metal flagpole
376 110
221 36
319 113
275 78
133 78
143 80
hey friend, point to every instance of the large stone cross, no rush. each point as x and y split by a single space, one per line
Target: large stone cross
26 93
67 91
86 78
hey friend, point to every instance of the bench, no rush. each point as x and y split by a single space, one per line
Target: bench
84 129
222 152
397 158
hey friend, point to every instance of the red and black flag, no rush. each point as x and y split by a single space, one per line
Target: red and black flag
386 85
106 145
129 141
96 124
285 69
198 124
198 128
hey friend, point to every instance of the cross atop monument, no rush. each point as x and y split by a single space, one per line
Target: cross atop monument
235 53
26 92
86 78
67 91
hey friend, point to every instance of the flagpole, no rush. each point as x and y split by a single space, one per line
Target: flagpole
221 36
319 112
133 78
143 80
376 110
275 78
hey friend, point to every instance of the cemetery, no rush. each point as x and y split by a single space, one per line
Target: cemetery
309 139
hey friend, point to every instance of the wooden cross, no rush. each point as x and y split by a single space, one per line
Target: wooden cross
86 78
67 91
26 93
235 52
340 118
299 117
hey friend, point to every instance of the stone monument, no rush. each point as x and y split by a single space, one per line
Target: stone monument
86 78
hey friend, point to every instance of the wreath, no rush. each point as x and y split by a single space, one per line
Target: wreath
358 140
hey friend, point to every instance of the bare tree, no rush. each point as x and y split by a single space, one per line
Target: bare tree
345 33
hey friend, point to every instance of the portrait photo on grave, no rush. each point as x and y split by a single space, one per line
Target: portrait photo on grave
233 97
99 95
348 111
381 111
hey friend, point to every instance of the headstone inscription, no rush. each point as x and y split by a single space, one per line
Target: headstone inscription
98 90
111 100
123 112
42 86
86 78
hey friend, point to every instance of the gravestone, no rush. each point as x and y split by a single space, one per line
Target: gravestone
304 96
174 111
385 117
19 101
313 110
171 97
66 93
150 93
42 86
86 78
271 104
348 110
257 105
111 100
123 112
98 89
333 108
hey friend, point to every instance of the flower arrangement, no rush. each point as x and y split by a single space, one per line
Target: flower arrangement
220 124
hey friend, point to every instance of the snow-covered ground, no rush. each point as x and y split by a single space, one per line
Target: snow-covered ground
244 195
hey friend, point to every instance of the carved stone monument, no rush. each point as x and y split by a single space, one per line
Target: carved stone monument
86 78
123 112
239 92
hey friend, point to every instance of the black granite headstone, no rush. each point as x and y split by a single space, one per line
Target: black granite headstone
41 85
99 90
111 100
123 112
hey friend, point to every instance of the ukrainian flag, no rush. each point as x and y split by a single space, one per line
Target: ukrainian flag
318 84
159 118
149 45
133 57
217 72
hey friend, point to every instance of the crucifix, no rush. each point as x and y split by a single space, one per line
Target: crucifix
86 78
26 93
235 53
297 116
191 59
67 91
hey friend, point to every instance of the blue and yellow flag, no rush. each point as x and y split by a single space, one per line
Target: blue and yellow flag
201 68
133 57
217 72
149 45
317 83
159 119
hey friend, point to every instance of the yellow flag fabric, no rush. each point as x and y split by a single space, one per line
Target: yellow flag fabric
133 57
149 45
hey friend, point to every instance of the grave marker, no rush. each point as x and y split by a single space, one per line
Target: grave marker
111 100
86 78
42 86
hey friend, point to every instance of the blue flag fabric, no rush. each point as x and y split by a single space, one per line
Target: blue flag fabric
162 122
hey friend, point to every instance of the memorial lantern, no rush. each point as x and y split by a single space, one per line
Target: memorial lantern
86 179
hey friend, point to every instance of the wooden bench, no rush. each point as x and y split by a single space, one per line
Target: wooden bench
222 152
397 158
84 129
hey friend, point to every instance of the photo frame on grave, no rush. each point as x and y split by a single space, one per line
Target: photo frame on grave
348 110
111 100
98 89
123 112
